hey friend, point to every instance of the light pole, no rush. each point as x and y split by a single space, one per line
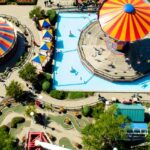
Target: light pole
32 115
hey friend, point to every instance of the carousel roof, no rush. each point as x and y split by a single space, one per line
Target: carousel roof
125 20
7 37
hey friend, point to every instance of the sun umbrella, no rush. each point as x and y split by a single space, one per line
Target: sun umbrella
45 46
47 34
39 59
125 20
7 37
44 23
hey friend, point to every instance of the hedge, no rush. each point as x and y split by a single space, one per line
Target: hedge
17 120
58 94
27 3
76 95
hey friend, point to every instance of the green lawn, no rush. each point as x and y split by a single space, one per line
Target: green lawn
20 126
65 141
77 123
6 111
60 120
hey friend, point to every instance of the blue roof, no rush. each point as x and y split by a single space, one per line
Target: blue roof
141 126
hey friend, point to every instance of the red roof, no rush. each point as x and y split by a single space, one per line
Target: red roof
32 137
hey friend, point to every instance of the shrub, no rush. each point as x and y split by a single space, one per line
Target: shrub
28 73
52 15
5 128
98 110
47 76
58 94
86 111
46 86
76 95
16 120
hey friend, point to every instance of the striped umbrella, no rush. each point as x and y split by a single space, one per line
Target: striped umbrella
39 59
44 23
45 46
7 37
125 20
47 34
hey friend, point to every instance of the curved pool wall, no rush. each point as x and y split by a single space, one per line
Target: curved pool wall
68 71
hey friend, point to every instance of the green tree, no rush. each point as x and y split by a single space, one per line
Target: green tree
58 94
46 86
14 90
86 110
29 109
36 12
98 110
28 73
52 15
105 133
6 141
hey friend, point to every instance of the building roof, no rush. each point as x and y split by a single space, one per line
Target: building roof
135 112
7 37
125 20
130 106
140 126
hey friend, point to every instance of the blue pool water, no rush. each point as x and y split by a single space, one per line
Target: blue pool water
68 71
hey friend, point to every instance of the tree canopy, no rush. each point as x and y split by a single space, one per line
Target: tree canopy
14 90
106 132
46 86
6 141
35 12
28 73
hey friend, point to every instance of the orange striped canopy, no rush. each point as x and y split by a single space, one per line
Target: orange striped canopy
125 20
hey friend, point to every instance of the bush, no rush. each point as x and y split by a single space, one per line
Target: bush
16 120
5 128
58 94
47 76
46 86
98 110
76 95
86 111
52 15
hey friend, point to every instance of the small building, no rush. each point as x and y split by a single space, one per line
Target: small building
134 112
137 129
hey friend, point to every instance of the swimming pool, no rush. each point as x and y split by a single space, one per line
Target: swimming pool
68 71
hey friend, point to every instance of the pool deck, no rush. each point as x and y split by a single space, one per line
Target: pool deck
103 62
